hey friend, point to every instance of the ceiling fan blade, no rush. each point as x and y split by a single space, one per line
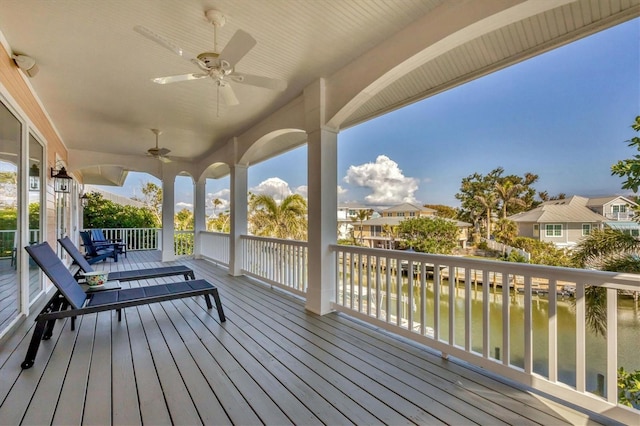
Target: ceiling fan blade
239 45
164 159
259 81
163 151
177 78
166 43
226 91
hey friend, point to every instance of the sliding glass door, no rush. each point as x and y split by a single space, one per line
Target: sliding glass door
10 136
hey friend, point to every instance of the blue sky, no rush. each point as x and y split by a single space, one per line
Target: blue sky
564 115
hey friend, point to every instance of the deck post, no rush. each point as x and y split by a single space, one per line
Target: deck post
200 216
168 209
238 222
322 169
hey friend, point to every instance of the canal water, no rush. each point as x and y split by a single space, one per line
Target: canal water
628 330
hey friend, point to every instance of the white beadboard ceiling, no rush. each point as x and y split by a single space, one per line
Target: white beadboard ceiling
95 71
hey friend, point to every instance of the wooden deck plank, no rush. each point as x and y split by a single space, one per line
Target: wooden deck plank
271 363
98 404
124 384
245 402
456 397
256 365
27 393
205 401
300 354
70 406
153 408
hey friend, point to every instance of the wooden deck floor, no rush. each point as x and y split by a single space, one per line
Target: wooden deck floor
271 363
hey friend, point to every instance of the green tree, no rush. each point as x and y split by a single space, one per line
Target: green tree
183 220
542 252
152 199
429 234
478 198
102 213
515 193
443 211
630 168
505 231
220 223
287 220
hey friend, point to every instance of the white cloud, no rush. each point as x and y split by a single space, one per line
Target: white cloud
341 192
302 190
275 187
182 205
386 181
223 195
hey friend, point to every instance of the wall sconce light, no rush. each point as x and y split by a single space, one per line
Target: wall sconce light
27 64
84 200
34 178
61 180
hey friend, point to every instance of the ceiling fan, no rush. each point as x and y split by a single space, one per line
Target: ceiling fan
219 66
159 153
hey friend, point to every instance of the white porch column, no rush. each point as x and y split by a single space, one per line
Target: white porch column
322 180
168 190
199 217
238 224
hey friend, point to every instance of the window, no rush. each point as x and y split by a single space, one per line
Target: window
412 214
620 208
553 230
586 229
400 214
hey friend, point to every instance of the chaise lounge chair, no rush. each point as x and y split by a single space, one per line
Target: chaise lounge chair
136 274
97 253
70 294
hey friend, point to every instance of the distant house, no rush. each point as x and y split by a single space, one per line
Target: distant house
566 222
347 213
613 208
375 231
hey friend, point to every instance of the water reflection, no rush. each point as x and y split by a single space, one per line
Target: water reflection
628 329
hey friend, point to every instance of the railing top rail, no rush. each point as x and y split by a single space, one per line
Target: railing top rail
275 240
590 277
222 234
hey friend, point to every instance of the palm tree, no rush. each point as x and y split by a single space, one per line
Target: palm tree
505 231
607 250
360 217
488 200
287 219
508 193
217 202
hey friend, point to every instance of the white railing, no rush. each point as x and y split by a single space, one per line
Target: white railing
214 246
281 263
397 291
135 238
506 249
183 242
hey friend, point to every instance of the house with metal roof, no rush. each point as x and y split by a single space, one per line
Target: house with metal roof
567 221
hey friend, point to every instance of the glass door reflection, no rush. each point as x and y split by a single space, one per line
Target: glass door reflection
36 170
10 134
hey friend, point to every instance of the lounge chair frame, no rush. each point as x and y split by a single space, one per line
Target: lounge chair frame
131 275
70 300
